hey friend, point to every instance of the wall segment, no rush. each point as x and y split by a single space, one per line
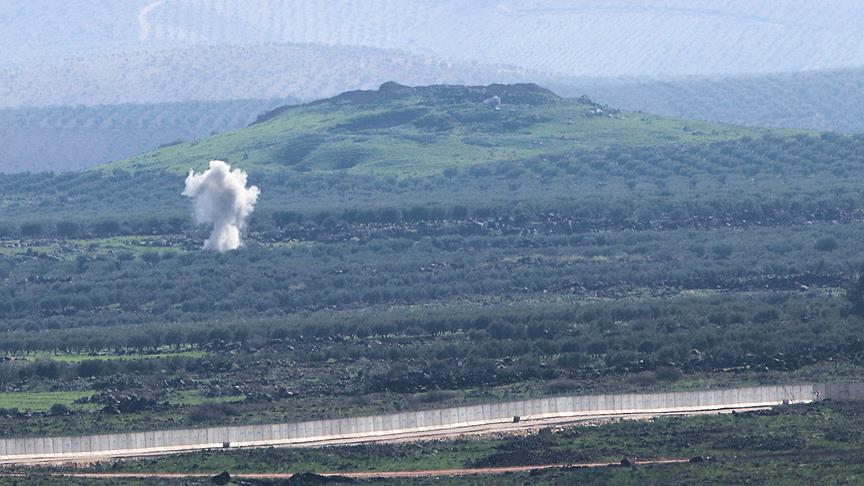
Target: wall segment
310 432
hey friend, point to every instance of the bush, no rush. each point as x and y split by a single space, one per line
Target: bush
722 251
666 373
767 315
644 378
210 412
93 367
59 409
434 396
561 386
826 244
47 368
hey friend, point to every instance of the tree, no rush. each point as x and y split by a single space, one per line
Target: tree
855 295
68 229
59 409
31 230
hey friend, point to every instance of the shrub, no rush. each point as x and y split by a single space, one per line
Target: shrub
210 412
667 373
826 244
59 409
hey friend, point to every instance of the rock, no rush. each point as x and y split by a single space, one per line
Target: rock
221 478
494 102
308 478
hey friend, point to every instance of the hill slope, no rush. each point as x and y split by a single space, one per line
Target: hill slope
407 131
61 138
208 73
819 100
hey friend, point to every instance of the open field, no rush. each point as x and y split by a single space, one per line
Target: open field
43 401
78 358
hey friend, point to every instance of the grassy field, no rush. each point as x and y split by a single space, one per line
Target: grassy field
194 397
132 356
42 401
70 248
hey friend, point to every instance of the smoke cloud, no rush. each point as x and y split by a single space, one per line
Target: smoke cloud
221 198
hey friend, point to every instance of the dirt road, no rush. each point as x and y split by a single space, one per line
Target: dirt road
354 475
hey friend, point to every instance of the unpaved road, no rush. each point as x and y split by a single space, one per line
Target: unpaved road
354 475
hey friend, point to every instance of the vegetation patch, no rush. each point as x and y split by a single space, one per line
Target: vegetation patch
43 401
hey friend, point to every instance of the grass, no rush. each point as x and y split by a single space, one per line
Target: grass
69 249
42 401
77 358
194 397
792 471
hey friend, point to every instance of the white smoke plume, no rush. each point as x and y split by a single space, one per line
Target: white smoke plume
221 198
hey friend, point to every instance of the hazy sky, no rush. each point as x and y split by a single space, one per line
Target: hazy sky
583 38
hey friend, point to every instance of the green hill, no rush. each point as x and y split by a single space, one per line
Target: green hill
416 131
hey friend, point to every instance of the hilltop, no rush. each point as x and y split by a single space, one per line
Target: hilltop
414 131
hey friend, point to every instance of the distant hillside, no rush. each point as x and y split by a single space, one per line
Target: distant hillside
597 38
407 131
208 73
75 137
825 100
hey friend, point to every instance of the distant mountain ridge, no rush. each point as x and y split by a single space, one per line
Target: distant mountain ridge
601 38
217 73
814 100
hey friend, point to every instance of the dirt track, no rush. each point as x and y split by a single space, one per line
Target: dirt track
355 475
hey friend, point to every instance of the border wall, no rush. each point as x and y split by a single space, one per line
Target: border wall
310 432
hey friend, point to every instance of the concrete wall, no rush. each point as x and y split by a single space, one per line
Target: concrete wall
383 425
841 391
